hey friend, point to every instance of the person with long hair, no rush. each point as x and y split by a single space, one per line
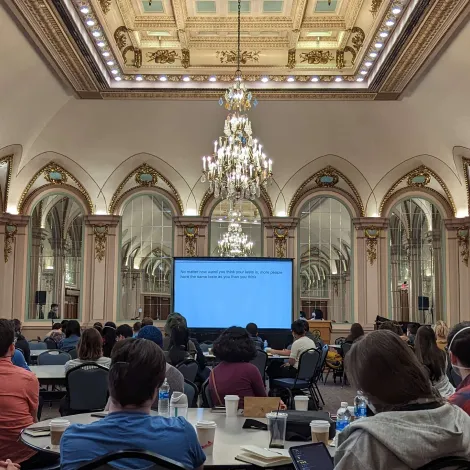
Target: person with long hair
355 333
442 331
434 360
179 349
234 375
109 338
411 426
72 336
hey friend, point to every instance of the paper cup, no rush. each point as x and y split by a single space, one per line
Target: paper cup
320 431
301 403
206 435
231 405
58 427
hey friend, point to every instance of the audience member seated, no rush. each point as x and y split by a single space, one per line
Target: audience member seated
459 348
301 344
355 333
411 331
63 324
178 349
252 329
174 376
235 375
434 360
56 333
72 336
147 321
98 326
310 335
136 328
18 360
395 327
21 342
442 331
109 337
137 371
124 332
411 427
89 349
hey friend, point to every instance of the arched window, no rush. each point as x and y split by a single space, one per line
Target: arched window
325 260
56 234
416 261
243 218
146 257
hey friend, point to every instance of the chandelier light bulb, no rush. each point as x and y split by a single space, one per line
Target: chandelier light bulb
85 10
396 10
90 23
234 243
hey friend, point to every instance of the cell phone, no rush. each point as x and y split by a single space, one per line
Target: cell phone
218 409
313 456
100 414
37 432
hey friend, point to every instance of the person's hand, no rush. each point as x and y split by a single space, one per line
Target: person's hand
282 405
9 465
286 364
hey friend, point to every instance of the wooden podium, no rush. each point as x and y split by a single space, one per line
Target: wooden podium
323 326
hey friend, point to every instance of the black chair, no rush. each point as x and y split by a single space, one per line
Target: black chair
340 340
191 391
73 353
50 343
52 357
87 388
308 363
189 369
447 463
206 395
319 374
158 461
37 345
260 361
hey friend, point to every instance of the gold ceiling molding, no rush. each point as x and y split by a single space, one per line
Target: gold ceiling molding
466 169
329 172
8 161
47 172
316 57
426 173
144 169
375 7
105 6
230 57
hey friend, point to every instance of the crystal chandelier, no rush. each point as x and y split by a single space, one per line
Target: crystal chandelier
235 243
238 167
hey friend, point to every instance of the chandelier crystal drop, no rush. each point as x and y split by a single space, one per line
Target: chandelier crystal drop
234 243
238 168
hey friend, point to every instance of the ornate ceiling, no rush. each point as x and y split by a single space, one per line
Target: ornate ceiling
291 49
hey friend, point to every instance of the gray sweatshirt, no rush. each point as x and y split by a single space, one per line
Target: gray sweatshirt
403 440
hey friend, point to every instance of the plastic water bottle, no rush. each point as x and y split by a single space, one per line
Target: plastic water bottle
360 406
342 417
164 400
265 344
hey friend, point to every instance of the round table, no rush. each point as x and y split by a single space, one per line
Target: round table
229 436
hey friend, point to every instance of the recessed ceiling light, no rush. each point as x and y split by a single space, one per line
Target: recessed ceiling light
373 55
97 34
265 79
186 79
114 72
85 10
359 79
363 72
118 79
139 78
315 79
106 54
101 44
368 64
290 79
212 79
163 78
396 10
338 79
383 34
110 63
90 23
390 23
378 45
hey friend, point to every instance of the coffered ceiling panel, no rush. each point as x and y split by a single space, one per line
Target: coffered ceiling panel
291 49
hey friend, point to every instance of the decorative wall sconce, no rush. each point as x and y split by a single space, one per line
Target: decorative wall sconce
280 241
10 235
100 232
462 235
190 238
372 234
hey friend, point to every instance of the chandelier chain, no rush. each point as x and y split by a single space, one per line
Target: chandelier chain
239 72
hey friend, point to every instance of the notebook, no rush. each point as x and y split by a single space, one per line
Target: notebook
264 457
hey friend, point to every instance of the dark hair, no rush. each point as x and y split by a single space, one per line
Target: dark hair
429 354
109 338
234 345
64 325
391 326
137 326
302 314
98 324
298 327
90 346
146 321
72 328
16 325
7 335
54 305
252 328
306 326
356 332
179 336
386 370
152 333
124 330
173 320
460 347
413 328
137 369
56 326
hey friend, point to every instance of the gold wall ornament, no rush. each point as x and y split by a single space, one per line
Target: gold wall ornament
340 59
8 162
134 60
375 7
185 58
466 170
316 57
190 240
291 59
353 52
10 236
230 57
358 37
120 36
372 234
101 233
54 174
163 56
326 178
462 236
280 241
419 178
105 6
146 176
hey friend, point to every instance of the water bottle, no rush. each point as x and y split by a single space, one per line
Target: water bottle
360 406
265 344
342 417
164 400
178 405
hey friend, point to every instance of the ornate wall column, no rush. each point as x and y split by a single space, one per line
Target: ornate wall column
191 236
99 294
371 269
13 265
